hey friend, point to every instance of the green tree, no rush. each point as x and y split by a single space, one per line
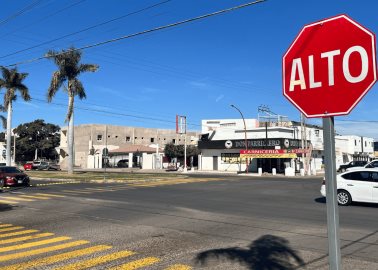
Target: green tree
69 69
39 138
12 81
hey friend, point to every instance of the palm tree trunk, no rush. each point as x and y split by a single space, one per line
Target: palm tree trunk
70 165
9 134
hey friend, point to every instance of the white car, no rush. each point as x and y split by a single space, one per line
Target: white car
356 186
372 164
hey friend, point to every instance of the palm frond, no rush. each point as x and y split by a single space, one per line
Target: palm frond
3 122
78 89
88 67
56 82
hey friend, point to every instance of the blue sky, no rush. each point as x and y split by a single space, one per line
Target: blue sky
197 69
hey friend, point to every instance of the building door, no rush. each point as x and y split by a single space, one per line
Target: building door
215 163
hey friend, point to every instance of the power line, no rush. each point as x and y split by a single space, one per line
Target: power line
20 12
150 30
86 29
45 17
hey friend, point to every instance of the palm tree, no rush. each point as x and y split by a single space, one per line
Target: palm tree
69 68
12 82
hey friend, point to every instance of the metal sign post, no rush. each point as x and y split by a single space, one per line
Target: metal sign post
334 257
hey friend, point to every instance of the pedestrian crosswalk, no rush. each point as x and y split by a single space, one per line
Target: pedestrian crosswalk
24 249
12 198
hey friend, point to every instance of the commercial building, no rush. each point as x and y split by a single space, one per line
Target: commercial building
272 145
97 146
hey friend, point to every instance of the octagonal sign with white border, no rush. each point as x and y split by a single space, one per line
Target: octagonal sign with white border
329 67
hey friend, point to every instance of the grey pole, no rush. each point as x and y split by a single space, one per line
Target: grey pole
334 258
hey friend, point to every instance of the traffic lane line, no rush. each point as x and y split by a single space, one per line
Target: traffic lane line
179 267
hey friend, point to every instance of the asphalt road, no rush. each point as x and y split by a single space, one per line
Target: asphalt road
201 222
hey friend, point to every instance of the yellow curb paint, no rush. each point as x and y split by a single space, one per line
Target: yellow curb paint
50 195
179 267
136 264
24 238
19 199
55 258
41 250
35 244
7 202
10 229
17 233
34 197
96 261
5 225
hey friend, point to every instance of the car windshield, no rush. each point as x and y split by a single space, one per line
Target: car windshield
10 170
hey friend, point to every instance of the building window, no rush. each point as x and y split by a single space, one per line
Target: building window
152 140
355 142
128 139
135 138
99 137
116 136
173 140
317 132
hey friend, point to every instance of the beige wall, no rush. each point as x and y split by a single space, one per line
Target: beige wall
115 137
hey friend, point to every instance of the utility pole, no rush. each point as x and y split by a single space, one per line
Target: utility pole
302 139
245 134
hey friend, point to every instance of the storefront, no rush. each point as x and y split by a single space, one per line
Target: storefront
228 155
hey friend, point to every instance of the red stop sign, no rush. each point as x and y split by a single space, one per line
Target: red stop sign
329 67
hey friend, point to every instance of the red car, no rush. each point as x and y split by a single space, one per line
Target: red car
28 166
12 176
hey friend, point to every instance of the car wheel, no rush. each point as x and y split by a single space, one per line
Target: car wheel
1 184
343 197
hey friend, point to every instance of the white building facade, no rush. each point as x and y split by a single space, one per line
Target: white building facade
282 145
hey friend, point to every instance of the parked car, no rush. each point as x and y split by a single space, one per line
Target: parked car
123 163
12 176
354 163
360 185
372 164
28 166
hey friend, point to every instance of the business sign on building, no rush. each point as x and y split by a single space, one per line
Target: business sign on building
272 143
272 153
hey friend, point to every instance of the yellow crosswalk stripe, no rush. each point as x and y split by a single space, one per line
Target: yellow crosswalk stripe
7 202
179 267
50 195
35 244
5 225
3 235
55 258
11 229
41 250
24 238
96 261
136 264
19 199
76 191
34 197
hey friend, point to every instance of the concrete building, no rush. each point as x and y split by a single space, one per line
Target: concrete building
282 143
97 144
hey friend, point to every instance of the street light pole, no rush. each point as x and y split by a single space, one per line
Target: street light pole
245 134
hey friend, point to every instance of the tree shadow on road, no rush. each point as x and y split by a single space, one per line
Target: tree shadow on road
268 252
5 207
